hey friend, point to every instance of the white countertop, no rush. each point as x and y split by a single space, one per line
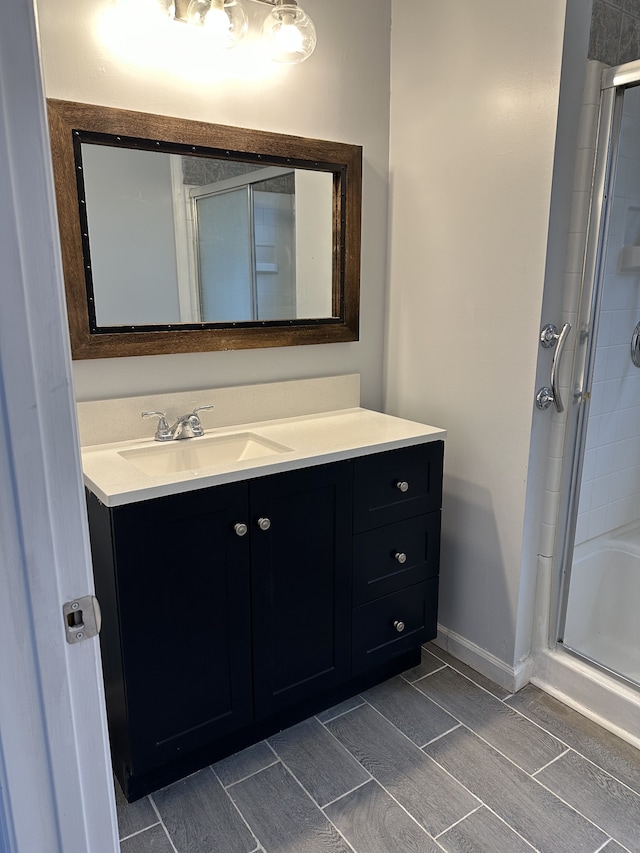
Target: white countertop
313 439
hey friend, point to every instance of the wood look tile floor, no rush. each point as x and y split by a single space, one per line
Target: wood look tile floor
438 759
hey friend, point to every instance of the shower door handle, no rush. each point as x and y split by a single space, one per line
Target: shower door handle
549 337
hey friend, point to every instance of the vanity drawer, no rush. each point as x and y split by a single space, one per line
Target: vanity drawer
376 639
395 556
398 484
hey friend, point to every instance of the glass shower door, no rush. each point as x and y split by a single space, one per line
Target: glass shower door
601 593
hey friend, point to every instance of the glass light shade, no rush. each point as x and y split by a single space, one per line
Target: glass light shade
224 23
290 34
167 8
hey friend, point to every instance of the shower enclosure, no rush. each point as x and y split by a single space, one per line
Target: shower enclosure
596 595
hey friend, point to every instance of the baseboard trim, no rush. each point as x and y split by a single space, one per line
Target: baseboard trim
509 677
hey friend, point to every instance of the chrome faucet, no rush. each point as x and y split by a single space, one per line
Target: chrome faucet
187 426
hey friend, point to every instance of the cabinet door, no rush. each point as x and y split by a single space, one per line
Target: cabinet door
183 595
301 576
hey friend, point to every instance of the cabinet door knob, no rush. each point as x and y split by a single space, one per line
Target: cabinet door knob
264 523
402 485
400 557
240 528
399 626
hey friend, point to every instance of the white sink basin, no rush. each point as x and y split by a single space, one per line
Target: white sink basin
195 454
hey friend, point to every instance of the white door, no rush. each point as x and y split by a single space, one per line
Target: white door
56 794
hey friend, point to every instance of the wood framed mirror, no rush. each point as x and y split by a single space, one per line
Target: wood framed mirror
181 236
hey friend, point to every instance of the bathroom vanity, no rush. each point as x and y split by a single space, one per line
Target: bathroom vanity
241 598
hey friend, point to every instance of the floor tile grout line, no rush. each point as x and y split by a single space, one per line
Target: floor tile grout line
398 803
426 675
157 811
320 809
607 772
535 722
398 729
604 846
235 805
444 734
346 793
572 748
261 846
456 822
457 781
483 739
138 831
495 748
515 831
343 747
578 812
549 763
242 779
442 707
599 766
378 782
298 782
337 716
529 775
502 702
468 677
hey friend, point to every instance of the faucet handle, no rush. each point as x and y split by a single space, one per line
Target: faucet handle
200 408
163 433
196 427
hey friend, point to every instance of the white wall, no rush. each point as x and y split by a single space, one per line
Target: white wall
475 89
341 93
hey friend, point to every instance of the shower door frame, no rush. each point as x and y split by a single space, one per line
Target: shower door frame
614 83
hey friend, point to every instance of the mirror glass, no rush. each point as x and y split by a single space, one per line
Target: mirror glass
180 236
179 239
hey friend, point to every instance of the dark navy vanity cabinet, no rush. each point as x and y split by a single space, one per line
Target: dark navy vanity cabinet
233 611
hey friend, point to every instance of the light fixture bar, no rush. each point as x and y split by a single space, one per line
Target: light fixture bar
287 30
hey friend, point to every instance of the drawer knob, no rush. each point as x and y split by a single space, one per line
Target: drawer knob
264 523
400 557
402 485
399 626
240 528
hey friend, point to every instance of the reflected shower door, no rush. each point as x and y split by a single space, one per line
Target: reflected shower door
226 256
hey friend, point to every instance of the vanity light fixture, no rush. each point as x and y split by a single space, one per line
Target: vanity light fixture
287 30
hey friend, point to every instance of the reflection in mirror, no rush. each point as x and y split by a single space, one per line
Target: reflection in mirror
179 236
179 239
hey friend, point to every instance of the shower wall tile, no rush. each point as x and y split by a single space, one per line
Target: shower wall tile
582 527
601 489
615 31
598 522
629 38
604 38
